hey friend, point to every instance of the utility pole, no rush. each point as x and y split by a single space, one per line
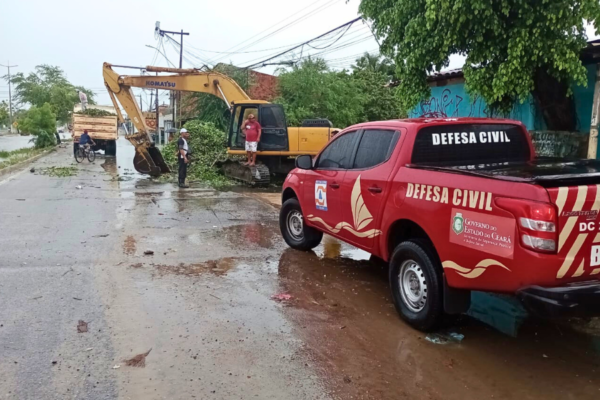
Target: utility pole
10 118
160 32
157 116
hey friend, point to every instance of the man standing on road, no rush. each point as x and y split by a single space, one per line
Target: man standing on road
253 130
182 156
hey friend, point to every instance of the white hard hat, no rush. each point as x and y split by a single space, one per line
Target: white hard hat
183 130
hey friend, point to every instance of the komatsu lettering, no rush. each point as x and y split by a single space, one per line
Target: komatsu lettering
161 84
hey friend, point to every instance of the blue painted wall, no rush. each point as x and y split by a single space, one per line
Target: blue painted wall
453 101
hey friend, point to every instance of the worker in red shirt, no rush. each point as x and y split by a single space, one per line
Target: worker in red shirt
252 129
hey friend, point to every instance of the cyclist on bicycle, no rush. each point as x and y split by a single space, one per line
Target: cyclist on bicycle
85 140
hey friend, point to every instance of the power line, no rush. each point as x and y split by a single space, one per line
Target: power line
308 41
298 20
238 48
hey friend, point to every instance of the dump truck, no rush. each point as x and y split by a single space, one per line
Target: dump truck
102 129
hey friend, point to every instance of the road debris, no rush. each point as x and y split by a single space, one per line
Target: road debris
443 338
89 349
102 236
138 265
116 367
38 297
347 379
281 297
82 326
79 187
148 252
69 270
214 296
138 361
61 172
77 298
32 170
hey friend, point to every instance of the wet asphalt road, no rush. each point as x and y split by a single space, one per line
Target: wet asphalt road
202 304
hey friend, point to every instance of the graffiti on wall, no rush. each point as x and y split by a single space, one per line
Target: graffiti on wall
559 144
457 103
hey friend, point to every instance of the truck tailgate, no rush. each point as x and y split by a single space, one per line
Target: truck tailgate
578 229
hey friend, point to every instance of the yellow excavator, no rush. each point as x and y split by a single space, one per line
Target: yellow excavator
278 143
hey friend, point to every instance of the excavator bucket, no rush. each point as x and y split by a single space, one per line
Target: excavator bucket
149 161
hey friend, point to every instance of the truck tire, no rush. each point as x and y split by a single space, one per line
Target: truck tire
295 232
111 148
416 281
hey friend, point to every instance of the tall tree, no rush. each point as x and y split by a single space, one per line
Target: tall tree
311 90
513 48
48 84
373 75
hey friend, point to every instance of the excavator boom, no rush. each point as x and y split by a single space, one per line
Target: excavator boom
148 159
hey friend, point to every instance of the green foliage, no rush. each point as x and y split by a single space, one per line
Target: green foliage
43 140
506 43
4 113
37 120
209 108
95 112
207 145
372 74
49 85
9 158
312 90
61 172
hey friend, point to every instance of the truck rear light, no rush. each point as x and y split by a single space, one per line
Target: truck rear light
537 223
537 243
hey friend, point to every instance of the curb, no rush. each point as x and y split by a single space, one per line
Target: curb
25 163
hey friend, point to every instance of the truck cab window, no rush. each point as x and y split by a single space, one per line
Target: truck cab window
375 147
338 154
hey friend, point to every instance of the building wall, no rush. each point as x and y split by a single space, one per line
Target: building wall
451 100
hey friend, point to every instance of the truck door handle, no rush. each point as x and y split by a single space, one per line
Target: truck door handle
375 189
334 185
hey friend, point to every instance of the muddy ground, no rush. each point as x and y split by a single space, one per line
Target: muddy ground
202 303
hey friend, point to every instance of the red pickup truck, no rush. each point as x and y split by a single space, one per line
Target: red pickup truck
454 205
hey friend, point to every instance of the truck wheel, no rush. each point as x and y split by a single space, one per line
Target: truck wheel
295 232
416 282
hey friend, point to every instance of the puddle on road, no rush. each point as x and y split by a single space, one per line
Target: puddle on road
264 235
216 267
343 311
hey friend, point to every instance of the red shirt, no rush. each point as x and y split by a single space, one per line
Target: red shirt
252 129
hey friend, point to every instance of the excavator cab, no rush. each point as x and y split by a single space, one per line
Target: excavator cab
272 120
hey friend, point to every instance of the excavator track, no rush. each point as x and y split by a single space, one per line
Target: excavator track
257 175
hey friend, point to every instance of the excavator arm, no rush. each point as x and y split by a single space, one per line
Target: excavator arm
148 159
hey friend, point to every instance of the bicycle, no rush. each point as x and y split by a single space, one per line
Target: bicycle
83 152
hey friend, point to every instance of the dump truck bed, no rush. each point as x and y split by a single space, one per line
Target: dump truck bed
98 127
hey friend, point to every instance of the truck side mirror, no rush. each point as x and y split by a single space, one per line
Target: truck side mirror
304 162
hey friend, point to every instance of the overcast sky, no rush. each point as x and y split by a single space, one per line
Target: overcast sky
79 36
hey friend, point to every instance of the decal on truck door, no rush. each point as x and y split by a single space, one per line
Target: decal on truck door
483 232
321 195
360 215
